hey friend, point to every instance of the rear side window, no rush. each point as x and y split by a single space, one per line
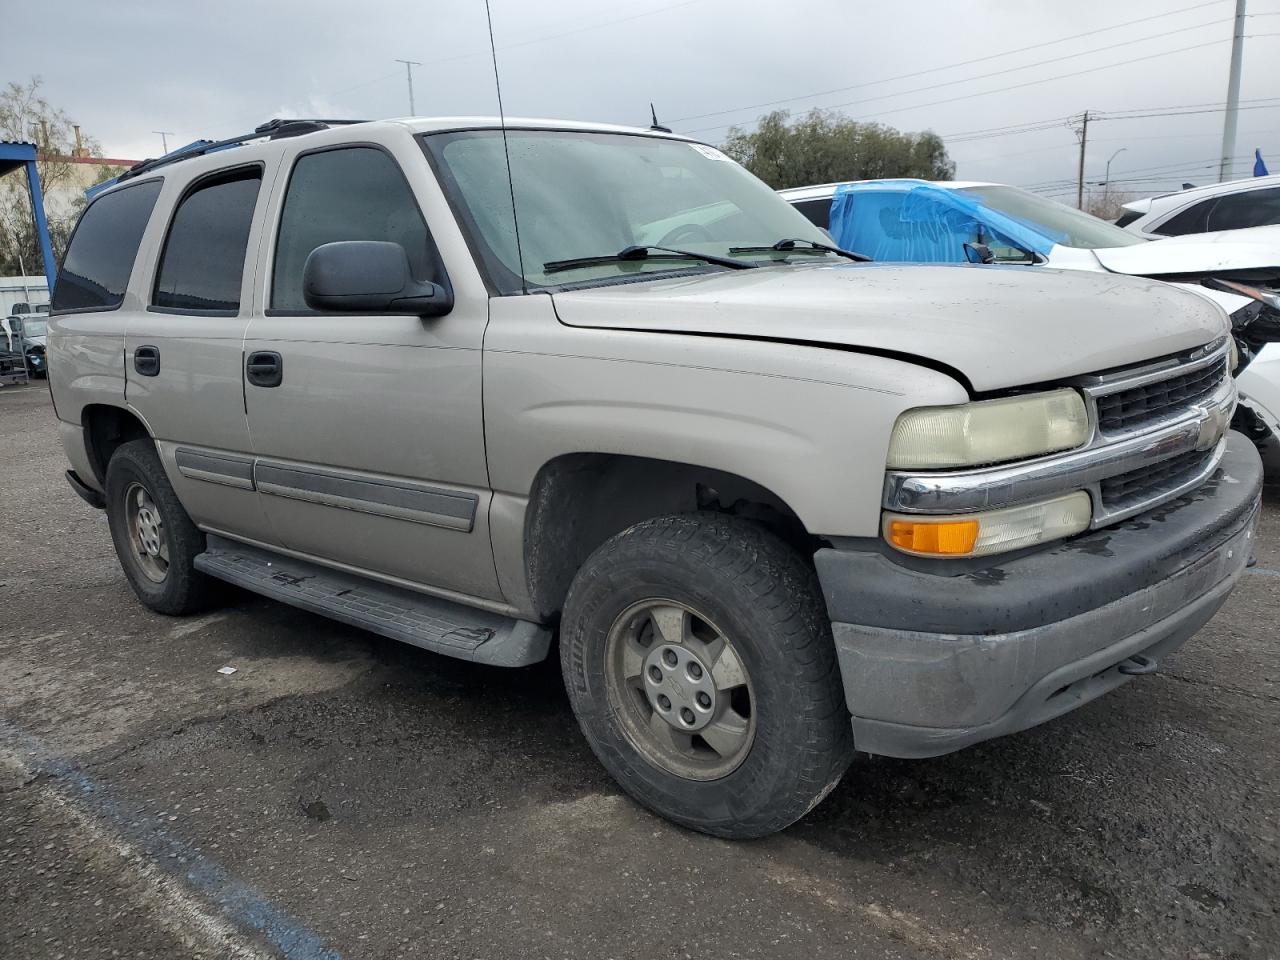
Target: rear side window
95 271
203 259
355 193
1127 218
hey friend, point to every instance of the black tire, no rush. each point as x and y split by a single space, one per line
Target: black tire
764 597
183 589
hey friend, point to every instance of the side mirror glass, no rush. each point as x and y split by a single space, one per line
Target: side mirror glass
978 253
369 276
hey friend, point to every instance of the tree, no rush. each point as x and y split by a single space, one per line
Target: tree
25 115
825 147
1106 204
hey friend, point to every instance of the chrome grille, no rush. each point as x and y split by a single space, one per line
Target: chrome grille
1148 483
1158 432
1138 406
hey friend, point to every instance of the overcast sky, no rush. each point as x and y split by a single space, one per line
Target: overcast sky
124 68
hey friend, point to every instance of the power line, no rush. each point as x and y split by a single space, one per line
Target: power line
1053 123
1016 86
1154 172
949 66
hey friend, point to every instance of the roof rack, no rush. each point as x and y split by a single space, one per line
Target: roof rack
275 129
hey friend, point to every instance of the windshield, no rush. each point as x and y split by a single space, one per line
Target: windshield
1058 222
35 328
583 195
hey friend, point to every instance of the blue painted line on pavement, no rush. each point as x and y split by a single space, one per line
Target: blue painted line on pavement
1263 571
238 901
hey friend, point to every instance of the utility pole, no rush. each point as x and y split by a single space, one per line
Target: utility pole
164 138
1084 139
408 71
1233 97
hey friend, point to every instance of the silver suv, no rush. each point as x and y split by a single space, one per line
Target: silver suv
471 387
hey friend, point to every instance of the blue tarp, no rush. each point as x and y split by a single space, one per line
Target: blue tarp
913 221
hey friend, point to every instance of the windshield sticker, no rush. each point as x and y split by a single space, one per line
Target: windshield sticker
711 153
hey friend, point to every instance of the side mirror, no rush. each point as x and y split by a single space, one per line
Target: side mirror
978 253
369 276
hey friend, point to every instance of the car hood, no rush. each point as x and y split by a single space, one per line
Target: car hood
998 326
1257 248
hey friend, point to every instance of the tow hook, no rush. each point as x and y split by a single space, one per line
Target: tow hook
1137 665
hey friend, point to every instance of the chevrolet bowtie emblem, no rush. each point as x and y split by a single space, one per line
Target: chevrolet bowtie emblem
1213 424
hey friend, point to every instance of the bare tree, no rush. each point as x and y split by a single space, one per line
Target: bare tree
1106 205
25 115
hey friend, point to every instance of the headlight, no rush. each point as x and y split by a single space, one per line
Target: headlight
1268 297
988 431
992 531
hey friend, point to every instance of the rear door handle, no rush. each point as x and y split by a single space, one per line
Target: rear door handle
264 368
146 361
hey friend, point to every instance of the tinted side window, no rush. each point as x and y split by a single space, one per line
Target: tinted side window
1253 208
818 212
96 268
1194 219
1127 218
203 259
356 193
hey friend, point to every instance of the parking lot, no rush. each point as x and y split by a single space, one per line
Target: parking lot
343 796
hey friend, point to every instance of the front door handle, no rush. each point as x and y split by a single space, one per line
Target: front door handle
264 368
146 361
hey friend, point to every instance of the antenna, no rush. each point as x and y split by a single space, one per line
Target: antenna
506 149
656 125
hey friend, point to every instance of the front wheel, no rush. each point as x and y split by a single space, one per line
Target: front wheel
699 661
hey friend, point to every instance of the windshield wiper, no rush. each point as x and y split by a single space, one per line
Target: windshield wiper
642 252
789 243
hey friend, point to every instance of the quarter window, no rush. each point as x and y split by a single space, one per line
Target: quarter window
355 193
1251 208
203 261
96 268
817 211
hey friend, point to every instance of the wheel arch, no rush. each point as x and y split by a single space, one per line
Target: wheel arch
580 500
106 427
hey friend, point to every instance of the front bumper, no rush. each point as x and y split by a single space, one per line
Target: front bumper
935 663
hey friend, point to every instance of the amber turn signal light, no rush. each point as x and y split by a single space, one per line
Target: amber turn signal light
945 538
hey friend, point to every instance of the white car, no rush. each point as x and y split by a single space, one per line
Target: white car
1234 205
904 220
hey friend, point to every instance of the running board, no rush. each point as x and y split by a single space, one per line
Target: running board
431 623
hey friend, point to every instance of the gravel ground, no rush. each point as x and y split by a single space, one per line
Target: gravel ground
344 796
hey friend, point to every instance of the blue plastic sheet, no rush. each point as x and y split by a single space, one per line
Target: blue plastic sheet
913 221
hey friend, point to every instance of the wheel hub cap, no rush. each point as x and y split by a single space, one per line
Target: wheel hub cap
680 690
146 530
679 687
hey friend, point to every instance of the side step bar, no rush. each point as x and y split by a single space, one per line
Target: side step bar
441 626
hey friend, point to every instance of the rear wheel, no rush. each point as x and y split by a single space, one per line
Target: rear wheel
699 661
154 538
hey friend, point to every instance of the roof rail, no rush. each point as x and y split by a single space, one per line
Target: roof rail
275 129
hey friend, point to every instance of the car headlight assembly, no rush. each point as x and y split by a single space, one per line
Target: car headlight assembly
990 531
989 431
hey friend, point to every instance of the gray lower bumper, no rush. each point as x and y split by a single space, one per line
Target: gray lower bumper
916 693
